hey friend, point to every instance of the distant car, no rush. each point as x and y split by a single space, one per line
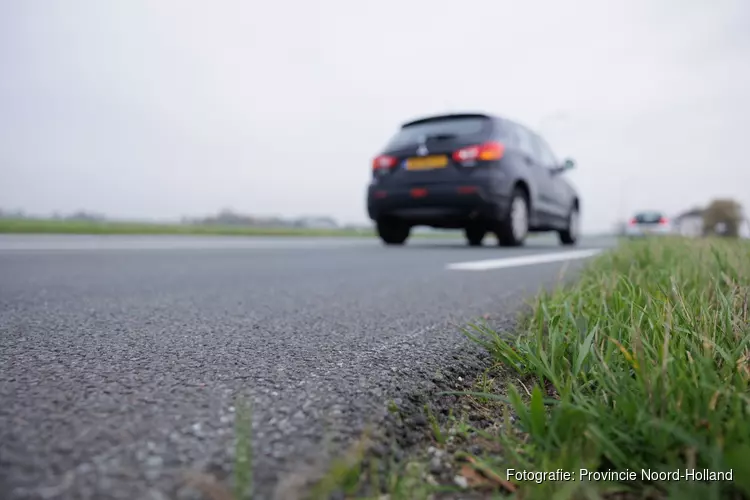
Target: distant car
476 172
649 223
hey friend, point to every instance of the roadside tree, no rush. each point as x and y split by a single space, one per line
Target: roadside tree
723 217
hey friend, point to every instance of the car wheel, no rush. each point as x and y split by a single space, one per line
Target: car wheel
475 235
569 236
514 228
393 232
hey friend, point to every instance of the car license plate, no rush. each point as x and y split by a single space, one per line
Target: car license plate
427 163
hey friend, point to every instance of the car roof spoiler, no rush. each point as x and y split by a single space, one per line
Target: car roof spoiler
449 116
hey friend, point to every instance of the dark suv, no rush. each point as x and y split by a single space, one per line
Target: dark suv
475 172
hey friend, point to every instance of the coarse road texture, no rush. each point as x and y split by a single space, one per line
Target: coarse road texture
121 357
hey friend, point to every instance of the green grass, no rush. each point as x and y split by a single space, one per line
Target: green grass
243 472
52 226
642 364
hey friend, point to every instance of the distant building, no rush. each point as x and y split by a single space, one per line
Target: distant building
364 227
689 223
317 223
745 228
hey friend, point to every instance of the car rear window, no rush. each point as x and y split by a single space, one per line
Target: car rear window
648 217
458 127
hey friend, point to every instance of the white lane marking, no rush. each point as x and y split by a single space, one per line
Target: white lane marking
524 260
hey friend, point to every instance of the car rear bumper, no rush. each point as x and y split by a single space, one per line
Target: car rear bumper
438 205
648 230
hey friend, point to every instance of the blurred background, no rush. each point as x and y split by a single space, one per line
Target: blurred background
268 113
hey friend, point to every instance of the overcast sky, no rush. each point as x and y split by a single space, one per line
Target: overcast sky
171 107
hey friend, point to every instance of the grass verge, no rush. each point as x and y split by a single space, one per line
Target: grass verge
635 373
51 226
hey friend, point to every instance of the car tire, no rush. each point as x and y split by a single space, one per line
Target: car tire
513 229
393 232
475 235
569 235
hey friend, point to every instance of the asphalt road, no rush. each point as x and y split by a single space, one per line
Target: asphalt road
122 356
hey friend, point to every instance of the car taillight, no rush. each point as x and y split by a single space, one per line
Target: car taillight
487 151
663 221
632 222
383 162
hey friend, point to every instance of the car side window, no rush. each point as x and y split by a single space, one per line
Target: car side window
546 157
526 142
506 132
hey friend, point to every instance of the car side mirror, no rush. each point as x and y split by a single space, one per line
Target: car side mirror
568 164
